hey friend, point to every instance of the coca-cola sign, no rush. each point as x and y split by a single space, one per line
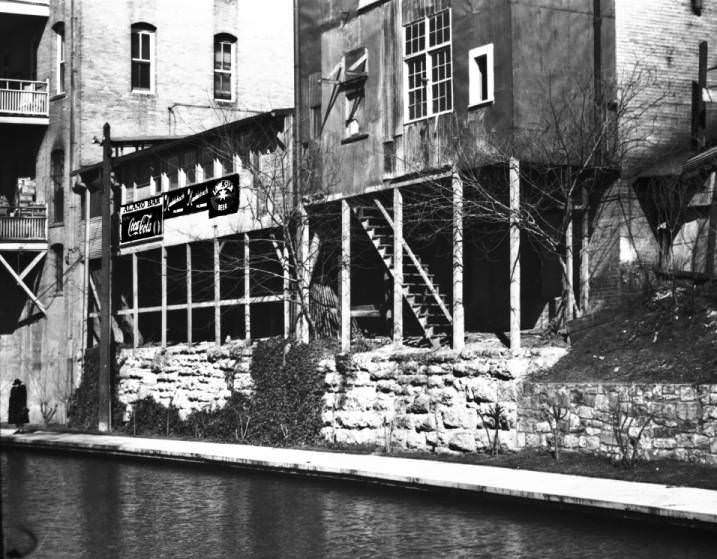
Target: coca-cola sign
142 221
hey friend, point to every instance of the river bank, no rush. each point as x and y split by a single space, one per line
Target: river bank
679 505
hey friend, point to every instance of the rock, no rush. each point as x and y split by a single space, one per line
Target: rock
463 442
420 404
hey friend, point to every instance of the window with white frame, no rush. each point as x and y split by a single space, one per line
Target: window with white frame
428 66
142 57
59 29
223 63
480 75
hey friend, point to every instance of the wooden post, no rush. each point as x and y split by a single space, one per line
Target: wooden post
217 293
345 277
104 415
712 229
189 294
181 178
458 311
286 286
217 170
135 302
569 289
303 274
163 273
397 266
198 173
247 289
514 179
585 254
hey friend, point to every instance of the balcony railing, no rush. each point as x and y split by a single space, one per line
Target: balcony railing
24 98
27 223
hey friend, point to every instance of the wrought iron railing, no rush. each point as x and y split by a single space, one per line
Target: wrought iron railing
24 98
28 223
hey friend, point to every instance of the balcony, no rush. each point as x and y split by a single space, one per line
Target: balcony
24 102
23 227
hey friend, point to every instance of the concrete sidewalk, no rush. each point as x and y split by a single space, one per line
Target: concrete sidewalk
683 505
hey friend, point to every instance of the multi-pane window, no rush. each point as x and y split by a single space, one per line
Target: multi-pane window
223 56
142 47
428 66
59 29
57 171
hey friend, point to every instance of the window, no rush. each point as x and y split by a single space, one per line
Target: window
57 172
428 67
223 57
59 29
142 56
58 261
355 65
480 75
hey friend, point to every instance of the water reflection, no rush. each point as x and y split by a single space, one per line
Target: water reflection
91 507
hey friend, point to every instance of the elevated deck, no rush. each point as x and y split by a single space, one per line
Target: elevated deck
23 228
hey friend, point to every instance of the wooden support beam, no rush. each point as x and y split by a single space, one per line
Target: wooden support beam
458 311
198 173
247 289
104 413
286 292
135 302
304 244
568 279
189 294
181 178
345 277
585 254
397 266
514 240
282 256
217 294
164 182
163 264
95 294
40 255
217 170
24 287
712 229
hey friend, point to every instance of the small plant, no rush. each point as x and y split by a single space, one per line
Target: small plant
555 408
628 425
493 418
48 412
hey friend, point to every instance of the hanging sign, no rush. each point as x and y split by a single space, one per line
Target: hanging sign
142 220
223 196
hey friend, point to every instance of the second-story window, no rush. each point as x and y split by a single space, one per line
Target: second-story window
223 62
57 172
428 67
59 29
142 57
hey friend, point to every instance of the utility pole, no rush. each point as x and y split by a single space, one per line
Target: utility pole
104 416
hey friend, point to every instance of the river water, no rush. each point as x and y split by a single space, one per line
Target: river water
90 507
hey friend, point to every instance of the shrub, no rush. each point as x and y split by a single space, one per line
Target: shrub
83 407
149 417
286 407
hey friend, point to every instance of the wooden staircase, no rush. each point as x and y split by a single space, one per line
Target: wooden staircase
420 288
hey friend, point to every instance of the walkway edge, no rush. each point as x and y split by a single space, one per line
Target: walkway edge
681 505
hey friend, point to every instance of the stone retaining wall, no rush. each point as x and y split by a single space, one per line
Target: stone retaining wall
190 379
682 425
420 400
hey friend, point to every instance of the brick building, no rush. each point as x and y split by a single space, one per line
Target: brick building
155 70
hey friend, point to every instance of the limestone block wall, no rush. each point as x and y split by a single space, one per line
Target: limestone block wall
189 378
683 421
423 400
